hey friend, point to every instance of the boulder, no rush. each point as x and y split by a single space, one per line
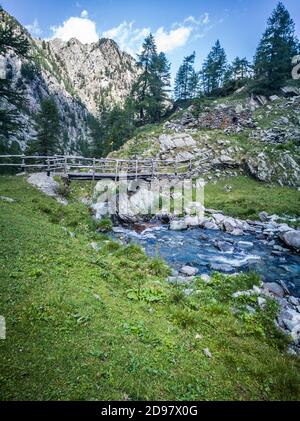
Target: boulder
261 302
192 221
229 224
226 159
178 280
180 140
294 301
7 199
274 289
218 217
224 246
207 353
220 267
237 232
210 225
178 225
263 216
205 278
188 271
291 239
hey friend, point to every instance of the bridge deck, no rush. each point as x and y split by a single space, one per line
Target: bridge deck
100 176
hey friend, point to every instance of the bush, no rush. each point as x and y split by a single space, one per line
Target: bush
105 225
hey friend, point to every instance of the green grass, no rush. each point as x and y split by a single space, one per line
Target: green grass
83 325
249 197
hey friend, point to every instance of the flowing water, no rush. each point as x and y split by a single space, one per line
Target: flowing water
197 247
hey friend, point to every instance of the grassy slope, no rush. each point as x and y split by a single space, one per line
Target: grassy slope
249 197
65 342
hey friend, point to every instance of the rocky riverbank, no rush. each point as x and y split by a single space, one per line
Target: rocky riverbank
197 253
288 317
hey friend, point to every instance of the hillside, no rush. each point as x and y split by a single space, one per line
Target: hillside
240 134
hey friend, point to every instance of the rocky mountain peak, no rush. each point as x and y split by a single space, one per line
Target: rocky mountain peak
80 77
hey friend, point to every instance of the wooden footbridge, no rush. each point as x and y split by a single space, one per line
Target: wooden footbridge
80 168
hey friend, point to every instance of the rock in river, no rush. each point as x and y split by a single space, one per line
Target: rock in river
178 225
188 270
274 289
291 239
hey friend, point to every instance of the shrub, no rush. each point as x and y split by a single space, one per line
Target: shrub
105 225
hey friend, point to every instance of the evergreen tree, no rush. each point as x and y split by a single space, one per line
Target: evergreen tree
273 59
48 129
214 69
193 85
113 128
160 86
10 39
120 125
187 80
150 90
241 68
97 131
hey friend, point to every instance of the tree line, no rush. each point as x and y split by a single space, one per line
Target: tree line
271 67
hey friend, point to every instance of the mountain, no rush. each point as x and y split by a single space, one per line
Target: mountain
80 77
97 72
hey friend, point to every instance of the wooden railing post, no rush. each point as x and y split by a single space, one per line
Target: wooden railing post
175 166
48 167
136 169
117 169
23 166
94 161
65 165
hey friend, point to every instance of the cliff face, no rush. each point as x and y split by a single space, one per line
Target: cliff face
80 77
97 72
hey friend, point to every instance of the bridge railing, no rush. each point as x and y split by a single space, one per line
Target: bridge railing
106 166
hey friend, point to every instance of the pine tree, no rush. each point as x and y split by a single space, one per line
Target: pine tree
241 68
193 85
214 69
112 129
187 80
47 124
160 86
273 59
141 89
151 89
10 39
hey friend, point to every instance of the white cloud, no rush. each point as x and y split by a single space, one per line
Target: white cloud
129 39
175 38
84 14
34 28
81 28
205 19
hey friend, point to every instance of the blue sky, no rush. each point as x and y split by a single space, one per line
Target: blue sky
180 27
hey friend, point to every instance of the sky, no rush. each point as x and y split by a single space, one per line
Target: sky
179 26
